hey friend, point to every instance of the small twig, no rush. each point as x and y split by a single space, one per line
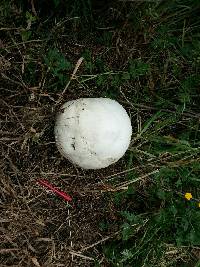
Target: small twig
8 250
120 173
8 29
135 106
76 67
98 242
70 231
26 42
124 184
80 255
9 139
13 81
33 8
58 174
71 78
43 80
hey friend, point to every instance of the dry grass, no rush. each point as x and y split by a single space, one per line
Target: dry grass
37 228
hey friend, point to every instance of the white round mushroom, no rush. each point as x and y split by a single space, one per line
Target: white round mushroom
92 133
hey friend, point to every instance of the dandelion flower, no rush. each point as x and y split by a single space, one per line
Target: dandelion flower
188 196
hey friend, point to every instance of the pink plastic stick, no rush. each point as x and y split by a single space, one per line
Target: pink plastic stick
54 189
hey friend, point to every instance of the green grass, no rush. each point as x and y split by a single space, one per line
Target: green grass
146 55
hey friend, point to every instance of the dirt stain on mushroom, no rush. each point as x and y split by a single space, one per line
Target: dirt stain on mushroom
73 143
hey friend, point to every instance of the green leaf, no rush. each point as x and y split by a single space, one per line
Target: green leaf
131 217
25 34
126 76
126 255
138 68
126 231
161 194
58 64
101 80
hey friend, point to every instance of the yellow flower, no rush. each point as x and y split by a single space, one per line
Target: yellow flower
188 196
199 204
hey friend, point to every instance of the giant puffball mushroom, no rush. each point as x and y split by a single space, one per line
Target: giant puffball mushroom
92 133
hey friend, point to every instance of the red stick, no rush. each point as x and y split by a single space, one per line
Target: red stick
54 189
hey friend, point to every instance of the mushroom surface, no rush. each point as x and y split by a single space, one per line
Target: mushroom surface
92 133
